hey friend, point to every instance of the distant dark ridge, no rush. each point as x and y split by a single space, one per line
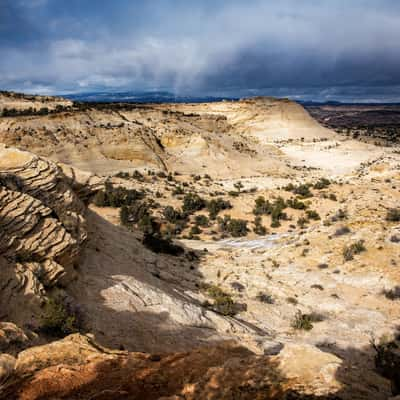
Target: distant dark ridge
142 97
339 103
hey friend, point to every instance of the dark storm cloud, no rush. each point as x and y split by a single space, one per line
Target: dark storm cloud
204 46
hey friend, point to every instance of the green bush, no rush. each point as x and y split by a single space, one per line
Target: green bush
133 214
302 190
262 206
234 227
350 251
116 196
193 202
259 228
296 204
275 209
172 215
265 298
201 220
311 214
305 321
157 244
58 319
195 230
323 183
302 222
393 215
214 206
222 301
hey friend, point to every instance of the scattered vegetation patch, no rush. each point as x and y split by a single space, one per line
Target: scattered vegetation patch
343 230
311 214
59 318
355 248
393 215
323 183
157 244
222 301
193 202
302 190
306 321
116 196
265 298
274 209
296 204
233 227
214 206
259 228
392 294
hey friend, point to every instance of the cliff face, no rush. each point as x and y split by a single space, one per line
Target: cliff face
43 230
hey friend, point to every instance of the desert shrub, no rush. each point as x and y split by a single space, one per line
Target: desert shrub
214 206
195 230
161 174
193 202
196 178
234 227
317 286
172 215
296 204
237 286
392 294
265 298
170 178
232 193
332 196
201 220
58 318
340 215
222 301
393 215
148 225
259 228
178 191
138 176
275 209
302 222
305 321
395 239
262 206
312 214
116 196
133 214
292 300
355 248
157 244
122 175
238 186
302 321
387 360
323 183
303 190
343 230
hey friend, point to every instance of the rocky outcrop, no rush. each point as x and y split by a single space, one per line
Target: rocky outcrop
43 229
76 367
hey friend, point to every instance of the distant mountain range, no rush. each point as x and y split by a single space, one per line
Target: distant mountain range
143 97
169 97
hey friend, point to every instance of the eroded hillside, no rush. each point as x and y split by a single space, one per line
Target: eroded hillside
208 225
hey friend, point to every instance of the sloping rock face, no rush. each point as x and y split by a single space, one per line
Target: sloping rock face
42 230
78 368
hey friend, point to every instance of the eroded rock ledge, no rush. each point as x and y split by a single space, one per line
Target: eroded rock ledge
42 230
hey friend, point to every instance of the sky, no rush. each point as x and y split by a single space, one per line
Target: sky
319 50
